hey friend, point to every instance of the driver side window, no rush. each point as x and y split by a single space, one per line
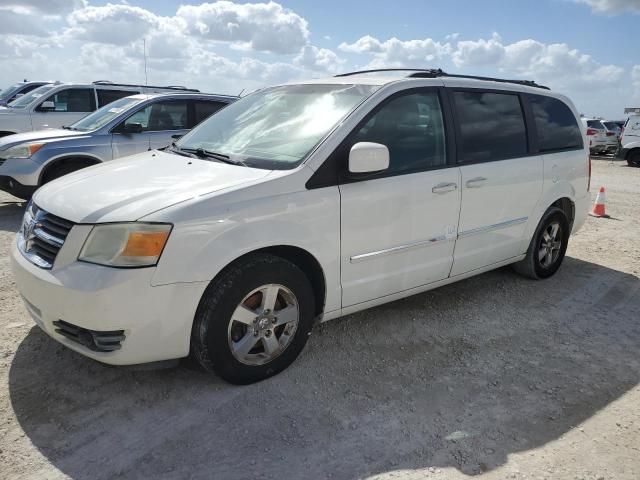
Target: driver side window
411 127
159 116
71 100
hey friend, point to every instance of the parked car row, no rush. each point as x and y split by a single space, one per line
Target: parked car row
297 204
127 126
56 104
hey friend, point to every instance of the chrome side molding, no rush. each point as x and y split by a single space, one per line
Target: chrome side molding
495 226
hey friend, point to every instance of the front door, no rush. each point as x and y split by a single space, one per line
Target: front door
501 183
398 228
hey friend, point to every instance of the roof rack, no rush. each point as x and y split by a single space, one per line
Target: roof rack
170 87
437 72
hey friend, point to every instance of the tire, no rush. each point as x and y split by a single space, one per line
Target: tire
221 344
633 160
532 266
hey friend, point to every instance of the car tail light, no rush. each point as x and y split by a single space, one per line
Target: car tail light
589 167
610 134
591 131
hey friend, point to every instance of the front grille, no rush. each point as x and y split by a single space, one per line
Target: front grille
106 341
42 235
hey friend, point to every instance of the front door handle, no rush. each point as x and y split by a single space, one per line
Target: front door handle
444 188
475 182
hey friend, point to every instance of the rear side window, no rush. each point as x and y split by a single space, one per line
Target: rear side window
491 126
411 127
72 100
556 125
204 110
107 96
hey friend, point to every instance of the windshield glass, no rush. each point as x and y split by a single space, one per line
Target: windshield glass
104 115
7 92
277 127
30 97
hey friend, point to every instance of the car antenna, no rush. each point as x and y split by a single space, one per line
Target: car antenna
144 54
240 94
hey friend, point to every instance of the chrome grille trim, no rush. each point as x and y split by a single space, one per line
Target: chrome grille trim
41 236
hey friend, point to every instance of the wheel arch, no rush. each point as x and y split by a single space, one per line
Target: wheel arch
300 257
87 159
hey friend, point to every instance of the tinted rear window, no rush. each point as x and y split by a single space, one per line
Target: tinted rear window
491 126
105 97
556 125
597 124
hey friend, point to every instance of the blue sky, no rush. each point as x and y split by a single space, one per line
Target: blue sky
579 47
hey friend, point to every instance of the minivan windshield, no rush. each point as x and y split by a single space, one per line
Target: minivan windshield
275 128
30 97
104 115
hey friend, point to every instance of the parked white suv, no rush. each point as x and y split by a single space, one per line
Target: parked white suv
58 104
629 149
302 203
597 136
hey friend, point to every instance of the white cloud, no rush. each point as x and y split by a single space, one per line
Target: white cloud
480 52
395 53
320 59
259 26
114 24
612 6
51 7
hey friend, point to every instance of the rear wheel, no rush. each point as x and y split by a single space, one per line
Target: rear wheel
254 320
548 246
633 160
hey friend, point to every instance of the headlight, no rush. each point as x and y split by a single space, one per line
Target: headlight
24 150
125 244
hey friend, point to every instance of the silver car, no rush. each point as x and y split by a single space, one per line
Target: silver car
124 127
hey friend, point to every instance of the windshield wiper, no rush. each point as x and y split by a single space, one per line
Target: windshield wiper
204 153
173 148
69 128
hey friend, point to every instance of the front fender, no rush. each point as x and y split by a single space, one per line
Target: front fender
217 233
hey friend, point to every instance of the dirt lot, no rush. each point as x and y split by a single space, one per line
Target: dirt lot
495 376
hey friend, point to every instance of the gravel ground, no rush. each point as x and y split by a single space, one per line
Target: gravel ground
496 376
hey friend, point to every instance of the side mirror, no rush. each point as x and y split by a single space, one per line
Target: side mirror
47 105
18 95
368 157
132 128
177 136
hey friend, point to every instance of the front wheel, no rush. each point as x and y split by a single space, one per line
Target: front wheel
254 320
633 160
548 246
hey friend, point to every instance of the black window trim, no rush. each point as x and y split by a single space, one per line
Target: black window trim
536 150
333 172
526 115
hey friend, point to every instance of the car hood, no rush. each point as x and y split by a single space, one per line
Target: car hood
38 136
132 187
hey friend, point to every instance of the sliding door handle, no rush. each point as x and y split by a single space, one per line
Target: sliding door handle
444 188
475 182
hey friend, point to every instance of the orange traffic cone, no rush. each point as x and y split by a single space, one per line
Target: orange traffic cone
598 206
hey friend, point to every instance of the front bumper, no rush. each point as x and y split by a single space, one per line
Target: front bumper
15 188
156 321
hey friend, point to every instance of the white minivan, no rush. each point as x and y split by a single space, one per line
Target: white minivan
297 204
629 148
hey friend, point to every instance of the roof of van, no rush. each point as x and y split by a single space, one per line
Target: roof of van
436 77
